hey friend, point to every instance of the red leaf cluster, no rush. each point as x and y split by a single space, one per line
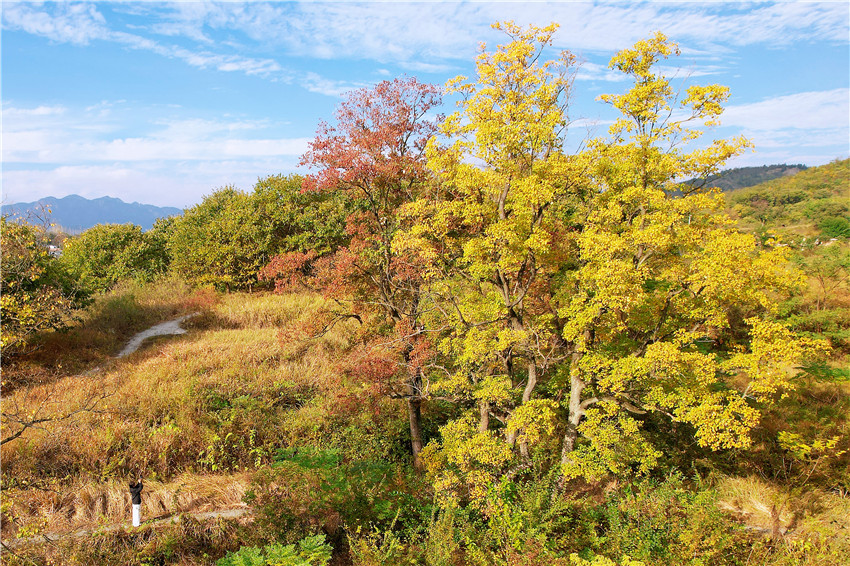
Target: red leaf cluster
289 270
378 142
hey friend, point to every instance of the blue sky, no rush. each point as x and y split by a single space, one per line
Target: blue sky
162 103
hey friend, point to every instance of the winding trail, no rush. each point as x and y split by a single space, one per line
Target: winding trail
163 329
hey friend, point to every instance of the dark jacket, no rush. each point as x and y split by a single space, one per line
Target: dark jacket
136 492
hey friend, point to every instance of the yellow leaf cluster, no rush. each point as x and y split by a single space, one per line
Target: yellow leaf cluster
615 444
466 462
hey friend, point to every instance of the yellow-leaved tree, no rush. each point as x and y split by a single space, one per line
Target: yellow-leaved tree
588 293
668 310
490 231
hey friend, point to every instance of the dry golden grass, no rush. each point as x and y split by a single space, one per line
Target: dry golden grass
262 310
811 527
190 413
759 505
103 329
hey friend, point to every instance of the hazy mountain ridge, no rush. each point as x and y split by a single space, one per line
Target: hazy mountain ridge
75 213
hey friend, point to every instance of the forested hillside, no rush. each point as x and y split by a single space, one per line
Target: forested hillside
742 177
810 213
452 342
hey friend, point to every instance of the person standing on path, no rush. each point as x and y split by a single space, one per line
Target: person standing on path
136 493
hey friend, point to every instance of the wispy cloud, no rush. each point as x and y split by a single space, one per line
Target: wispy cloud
65 23
90 136
433 32
805 121
588 71
321 85
805 111
203 59
703 28
82 24
423 37
12 113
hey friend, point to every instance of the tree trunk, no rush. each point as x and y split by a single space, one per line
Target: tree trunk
484 411
414 409
531 384
414 413
575 410
526 397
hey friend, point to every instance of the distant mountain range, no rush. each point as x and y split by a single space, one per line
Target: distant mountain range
73 214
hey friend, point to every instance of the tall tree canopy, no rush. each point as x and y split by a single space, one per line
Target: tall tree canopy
492 228
668 310
219 242
585 293
299 221
228 238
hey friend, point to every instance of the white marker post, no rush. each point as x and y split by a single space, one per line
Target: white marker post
136 494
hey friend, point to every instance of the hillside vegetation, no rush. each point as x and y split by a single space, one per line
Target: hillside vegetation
811 205
230 412
452 343
810 213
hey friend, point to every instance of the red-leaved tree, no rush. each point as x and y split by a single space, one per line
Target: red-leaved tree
374 155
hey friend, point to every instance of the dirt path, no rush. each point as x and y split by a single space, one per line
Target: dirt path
163 329
232 513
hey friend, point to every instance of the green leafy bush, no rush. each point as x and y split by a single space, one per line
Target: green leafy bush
103 255
835 227
309 487
665 523
309 551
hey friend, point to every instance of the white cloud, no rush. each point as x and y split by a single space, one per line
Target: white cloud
588 71
424 37
81 24
431 33
806 127
149 183
228 63
828 109
798 138
66 23
712 26
203 59
321 85
33 136
12 113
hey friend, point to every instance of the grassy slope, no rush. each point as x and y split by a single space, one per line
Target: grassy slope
214 402
806 495
805 212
